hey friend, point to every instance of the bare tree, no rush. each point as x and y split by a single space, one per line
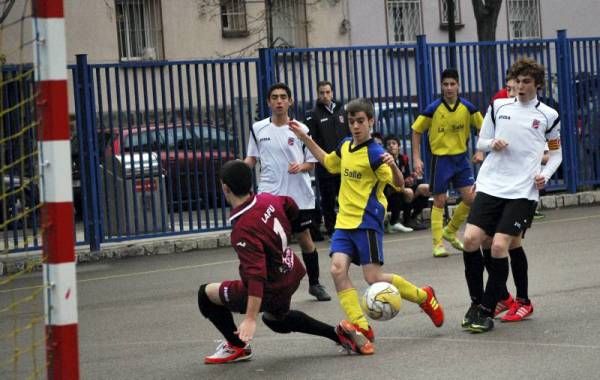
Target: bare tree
486 16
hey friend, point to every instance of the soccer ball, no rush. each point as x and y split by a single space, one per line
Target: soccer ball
381 301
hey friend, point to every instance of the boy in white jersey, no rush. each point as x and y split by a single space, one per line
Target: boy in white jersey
514 131
285 164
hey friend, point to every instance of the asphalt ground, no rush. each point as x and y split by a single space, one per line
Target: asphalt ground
138 317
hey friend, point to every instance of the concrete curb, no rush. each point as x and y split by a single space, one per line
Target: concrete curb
12 263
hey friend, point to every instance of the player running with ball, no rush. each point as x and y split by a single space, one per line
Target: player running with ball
365 168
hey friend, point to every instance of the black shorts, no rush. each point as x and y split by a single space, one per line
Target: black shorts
302 221
506 216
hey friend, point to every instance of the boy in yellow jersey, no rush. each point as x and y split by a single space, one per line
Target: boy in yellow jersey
365 168
448 121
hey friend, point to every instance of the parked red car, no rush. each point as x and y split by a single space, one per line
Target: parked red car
190 158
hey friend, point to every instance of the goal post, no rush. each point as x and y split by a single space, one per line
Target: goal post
60 296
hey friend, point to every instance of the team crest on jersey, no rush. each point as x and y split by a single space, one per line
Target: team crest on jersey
535 124
341 117
290 141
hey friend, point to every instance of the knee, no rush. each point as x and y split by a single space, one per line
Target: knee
499 249
276 323
409 195
337 270
439 201
371 278
204 302
471 241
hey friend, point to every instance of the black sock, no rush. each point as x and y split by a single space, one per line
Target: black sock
418 205
498 274
220 316
474 274
297 321
518 264
487 257
311 261
406 209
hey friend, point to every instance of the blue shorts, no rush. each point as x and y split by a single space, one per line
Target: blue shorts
363 246
450 169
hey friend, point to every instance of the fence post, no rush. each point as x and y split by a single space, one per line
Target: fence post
86 131
266 77
424 93
567 109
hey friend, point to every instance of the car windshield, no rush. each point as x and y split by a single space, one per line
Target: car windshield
138 142
180 138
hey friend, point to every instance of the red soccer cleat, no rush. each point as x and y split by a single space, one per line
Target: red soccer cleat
504 305
352 339
432 307
228 353
518 312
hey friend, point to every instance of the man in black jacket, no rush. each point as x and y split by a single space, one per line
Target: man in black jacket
327 123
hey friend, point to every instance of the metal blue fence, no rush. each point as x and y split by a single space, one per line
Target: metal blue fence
149 137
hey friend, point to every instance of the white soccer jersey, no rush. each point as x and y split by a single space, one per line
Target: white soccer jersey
277 147
510 173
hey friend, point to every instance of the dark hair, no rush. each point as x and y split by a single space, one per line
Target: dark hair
377 135
360 105
528 66
279 86
450 73
391 137
322 83
509 75
237 176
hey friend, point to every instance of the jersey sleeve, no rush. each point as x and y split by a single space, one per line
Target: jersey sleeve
332 162
290 207
487 125
252 150
421 124
476 120
553 133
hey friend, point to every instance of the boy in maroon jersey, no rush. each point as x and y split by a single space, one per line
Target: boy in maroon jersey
270 271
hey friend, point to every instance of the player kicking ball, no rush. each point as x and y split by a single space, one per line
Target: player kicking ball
366 168
270 272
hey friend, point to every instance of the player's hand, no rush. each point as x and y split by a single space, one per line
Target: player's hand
297 129
418 167
246 330
388 159
540 182
477 157
499 144
294 168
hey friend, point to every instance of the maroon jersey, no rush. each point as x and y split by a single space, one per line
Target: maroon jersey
260 235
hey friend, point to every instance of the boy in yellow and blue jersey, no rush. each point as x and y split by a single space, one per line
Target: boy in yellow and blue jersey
448 121
365 168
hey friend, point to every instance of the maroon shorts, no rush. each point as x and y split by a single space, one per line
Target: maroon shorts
234 296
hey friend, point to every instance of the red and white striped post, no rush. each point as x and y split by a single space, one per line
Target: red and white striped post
60 297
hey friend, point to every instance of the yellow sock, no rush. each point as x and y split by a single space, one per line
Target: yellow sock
408 291
458 218
437 223
351 306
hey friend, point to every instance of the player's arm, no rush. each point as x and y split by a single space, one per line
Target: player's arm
420 126
248 325
315 149
250 161
486 141
397 179
252 151
554 156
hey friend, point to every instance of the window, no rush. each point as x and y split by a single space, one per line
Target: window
139 29
287 23
444 12
233 18
523 19
404 20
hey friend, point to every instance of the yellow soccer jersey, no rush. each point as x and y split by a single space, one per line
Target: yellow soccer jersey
449 127
362 203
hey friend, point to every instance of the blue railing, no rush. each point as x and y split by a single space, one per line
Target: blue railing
151 136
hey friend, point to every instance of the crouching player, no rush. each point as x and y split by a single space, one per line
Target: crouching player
270 272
